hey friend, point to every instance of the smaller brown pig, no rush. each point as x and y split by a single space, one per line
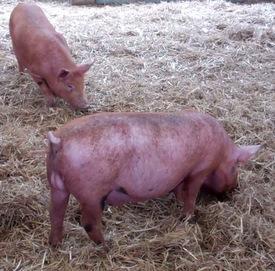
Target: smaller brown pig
117 158
44 53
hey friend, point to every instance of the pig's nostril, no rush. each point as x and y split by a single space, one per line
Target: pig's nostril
84 108
83 105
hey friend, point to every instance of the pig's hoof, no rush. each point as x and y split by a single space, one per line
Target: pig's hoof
99 242
51 103
103 245
191 219
106 248
223 197
54 245
54 242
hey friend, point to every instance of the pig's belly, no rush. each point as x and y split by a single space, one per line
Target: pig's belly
118 198
146 178
127 193
141 190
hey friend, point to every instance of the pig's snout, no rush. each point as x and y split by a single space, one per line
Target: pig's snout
81 104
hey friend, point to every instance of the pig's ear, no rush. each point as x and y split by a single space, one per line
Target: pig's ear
83 68
63 73
245 153
54 143
53 139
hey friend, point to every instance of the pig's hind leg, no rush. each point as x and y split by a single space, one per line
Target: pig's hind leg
91 220
59 202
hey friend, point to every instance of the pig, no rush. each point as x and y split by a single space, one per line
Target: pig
116 158
45 55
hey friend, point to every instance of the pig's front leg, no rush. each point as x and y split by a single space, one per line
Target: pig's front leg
59 202
191 188
178 191
91 220
21 67
50 97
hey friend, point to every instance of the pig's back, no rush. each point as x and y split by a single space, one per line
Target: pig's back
35 42
29 16
174 122
30 31
159 122
167 134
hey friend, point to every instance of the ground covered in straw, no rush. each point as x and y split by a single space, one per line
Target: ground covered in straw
215 56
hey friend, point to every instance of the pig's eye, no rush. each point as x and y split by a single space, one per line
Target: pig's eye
70 88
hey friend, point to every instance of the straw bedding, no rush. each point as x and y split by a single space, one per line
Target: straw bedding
215 56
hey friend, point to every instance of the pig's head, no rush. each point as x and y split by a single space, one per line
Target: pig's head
224 178
71 86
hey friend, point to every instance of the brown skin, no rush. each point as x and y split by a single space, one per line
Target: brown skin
129 157
45 55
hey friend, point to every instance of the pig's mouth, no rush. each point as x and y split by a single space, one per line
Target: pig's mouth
81 106
212 195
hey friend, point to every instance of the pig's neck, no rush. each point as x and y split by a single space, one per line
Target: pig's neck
61 59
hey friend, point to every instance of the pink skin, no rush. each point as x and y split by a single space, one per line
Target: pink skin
129 157
45 55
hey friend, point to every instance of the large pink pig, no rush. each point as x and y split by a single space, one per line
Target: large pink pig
44 53
129 157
